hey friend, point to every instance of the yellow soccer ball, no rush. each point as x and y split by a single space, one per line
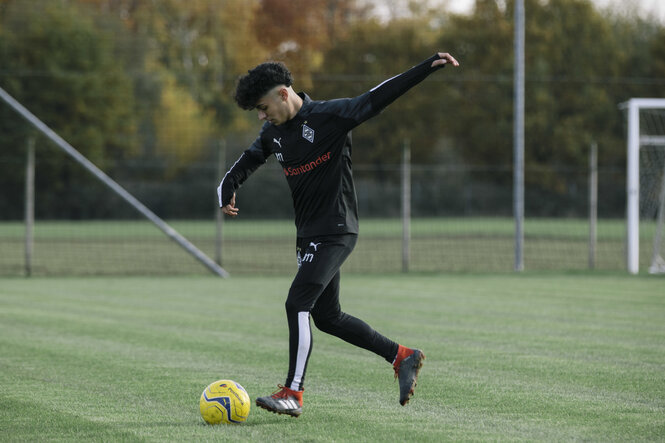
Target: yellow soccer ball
224 401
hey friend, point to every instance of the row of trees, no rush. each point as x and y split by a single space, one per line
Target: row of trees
150 82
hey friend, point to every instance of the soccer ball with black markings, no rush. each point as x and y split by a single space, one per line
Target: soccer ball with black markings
224 401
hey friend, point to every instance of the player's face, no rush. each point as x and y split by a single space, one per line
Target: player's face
273 106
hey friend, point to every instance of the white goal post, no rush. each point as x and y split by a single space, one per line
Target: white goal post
640 137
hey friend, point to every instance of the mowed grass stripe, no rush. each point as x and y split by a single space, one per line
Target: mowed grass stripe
509 357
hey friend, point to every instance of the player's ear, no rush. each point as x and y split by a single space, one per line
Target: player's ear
283 93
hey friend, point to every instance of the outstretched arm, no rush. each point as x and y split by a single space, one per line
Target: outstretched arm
365 106
388 91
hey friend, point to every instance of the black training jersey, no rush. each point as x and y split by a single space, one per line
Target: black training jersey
314 150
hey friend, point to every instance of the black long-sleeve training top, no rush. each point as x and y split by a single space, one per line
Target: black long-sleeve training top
314 149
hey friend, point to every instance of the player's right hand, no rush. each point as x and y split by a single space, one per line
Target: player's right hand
231 209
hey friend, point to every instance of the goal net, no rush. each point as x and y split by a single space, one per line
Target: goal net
646 184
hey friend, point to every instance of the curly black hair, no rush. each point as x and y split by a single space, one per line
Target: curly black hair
259 81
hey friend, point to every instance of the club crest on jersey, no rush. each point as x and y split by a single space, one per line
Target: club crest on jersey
308 133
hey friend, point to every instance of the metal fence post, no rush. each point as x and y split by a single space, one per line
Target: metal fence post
406 205
29 204
593 204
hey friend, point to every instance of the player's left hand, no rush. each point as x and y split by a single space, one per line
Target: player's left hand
445 58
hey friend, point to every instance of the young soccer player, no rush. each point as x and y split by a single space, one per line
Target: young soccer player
312 141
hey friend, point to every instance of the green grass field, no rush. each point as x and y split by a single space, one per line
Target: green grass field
530 357
254 247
